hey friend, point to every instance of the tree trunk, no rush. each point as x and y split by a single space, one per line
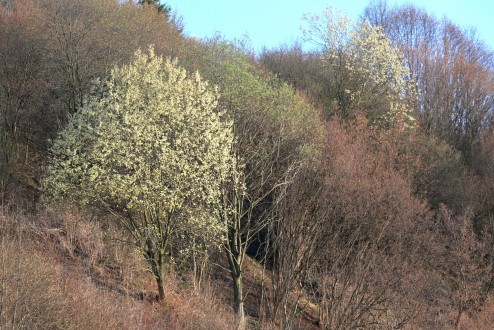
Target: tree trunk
161 289
238 299
157 270
458 317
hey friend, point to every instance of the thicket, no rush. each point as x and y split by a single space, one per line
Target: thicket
346 187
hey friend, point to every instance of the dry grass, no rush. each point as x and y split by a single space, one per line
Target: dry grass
482 320
72 271
63 271
30 297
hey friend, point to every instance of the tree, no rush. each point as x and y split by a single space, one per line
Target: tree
88 37
303 71
265 156
297 242
149 147
51 52
274 131
367 71
451 68
373 235
162 7
22 92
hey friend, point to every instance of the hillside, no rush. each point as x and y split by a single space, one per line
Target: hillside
150 180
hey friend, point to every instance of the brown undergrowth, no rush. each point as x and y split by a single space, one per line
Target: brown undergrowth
67 271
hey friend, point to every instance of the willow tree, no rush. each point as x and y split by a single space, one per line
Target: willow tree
150 147
366 71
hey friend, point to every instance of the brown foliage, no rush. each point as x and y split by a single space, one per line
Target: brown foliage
30 297
464 259
378 237
451 67
58 271
51 51
352 238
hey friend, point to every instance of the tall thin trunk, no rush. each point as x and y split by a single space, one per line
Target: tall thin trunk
233 255
161 289
238 298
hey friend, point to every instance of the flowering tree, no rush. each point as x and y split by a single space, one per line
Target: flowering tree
368 72
148 146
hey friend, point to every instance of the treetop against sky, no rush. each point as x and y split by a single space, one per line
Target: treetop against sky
276 22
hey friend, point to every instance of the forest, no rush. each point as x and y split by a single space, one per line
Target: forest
152 180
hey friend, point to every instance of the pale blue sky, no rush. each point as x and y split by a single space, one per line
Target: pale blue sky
271 23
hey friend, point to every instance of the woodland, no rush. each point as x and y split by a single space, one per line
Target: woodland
152 180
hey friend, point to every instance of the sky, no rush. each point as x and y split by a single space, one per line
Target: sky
271 23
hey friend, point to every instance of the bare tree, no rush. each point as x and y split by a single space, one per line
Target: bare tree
342 241
451 68
269 146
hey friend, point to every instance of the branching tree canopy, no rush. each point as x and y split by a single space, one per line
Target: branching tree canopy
452 68
368 72
150 147
276 132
